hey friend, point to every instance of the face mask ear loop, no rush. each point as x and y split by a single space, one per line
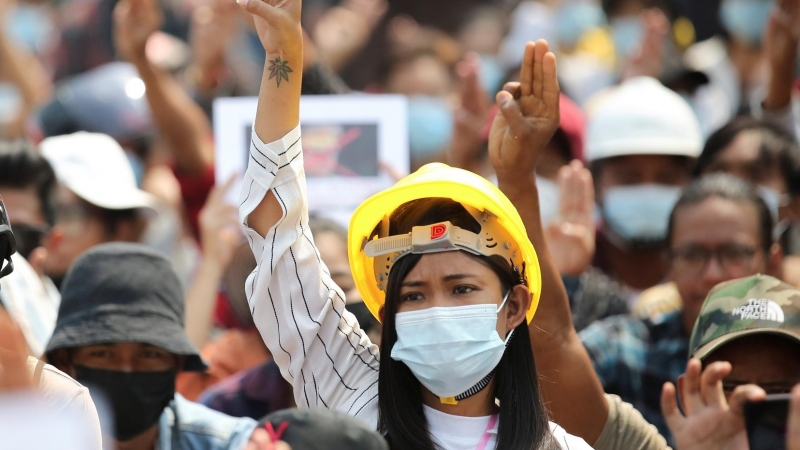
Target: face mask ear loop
503 303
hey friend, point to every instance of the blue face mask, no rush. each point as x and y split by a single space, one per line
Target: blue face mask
576 17
639 214
746 19
627 33
430 125
450 350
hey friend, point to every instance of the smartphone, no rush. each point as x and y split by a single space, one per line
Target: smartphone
766 422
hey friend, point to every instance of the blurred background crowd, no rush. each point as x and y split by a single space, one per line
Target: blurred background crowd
105 136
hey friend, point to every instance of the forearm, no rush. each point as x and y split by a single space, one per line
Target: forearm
779 88
278 113
23 71
201 298
569 385
180 121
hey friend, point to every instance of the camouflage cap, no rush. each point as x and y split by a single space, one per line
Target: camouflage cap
757 304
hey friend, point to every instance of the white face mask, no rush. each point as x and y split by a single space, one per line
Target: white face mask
450 349
639 214
774 201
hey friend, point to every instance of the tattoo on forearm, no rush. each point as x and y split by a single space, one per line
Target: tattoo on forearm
279 69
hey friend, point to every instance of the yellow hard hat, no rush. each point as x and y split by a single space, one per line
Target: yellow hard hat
436 181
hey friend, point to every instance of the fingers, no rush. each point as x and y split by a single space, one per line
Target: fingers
744 394
550 88
669 408
473 97
711 384
526 73
540 50
690 388
577 194
260 9
509 108
793 434
514 88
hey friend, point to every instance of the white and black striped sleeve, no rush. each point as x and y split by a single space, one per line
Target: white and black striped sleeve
296 306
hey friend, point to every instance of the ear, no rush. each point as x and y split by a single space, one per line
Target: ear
519 300
37 260
381 312
54 238
775 260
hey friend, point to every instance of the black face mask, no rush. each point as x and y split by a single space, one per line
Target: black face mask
137 399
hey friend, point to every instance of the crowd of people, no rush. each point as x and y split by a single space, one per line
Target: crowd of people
601 223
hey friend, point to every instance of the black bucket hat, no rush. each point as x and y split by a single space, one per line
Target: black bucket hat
321 429
123 293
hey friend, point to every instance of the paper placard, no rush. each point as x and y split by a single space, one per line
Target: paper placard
353 146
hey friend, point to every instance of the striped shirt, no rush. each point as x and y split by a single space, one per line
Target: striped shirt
298 309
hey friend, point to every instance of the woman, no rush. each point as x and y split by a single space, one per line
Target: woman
454 305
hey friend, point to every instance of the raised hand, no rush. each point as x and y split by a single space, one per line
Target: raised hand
711 422
571 238
470 117
648 59
219 227
781 38
278 25
134 22
345 29
528 115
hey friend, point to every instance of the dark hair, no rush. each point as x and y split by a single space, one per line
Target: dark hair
777 147
730 188
523 417
23 167
111 218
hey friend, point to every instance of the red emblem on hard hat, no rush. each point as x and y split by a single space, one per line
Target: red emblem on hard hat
437 231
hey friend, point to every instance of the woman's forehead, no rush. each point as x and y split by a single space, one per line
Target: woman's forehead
441 265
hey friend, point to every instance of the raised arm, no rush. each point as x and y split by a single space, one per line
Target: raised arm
296 306
528 118
180 121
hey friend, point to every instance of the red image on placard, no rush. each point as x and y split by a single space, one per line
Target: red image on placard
437 231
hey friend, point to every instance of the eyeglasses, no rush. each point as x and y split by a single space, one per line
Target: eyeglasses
28 237
733 258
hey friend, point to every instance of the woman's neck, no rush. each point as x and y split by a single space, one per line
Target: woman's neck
478 405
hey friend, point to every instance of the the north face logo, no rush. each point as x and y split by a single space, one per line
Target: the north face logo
759 309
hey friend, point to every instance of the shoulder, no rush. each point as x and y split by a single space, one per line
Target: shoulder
58 389
657 300
626 424
566 440
196 423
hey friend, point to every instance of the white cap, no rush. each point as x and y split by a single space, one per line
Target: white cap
95 168
642 117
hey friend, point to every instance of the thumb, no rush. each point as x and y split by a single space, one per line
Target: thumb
511 112
259 8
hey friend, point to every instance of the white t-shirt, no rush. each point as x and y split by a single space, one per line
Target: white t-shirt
300 311
465 433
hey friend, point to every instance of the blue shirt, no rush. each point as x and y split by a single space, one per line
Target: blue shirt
186 425
634 358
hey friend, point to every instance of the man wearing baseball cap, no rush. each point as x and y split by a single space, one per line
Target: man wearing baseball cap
120 332
642 140
752 324
97 199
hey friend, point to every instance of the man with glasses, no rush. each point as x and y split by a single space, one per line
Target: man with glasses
719 230
27 184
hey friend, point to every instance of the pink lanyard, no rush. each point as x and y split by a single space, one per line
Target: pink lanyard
486 434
